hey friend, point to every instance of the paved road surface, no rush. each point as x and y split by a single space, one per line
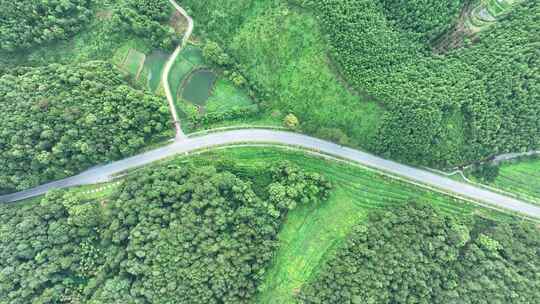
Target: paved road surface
104 173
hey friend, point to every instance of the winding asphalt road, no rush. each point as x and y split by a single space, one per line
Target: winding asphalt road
106 172
183 144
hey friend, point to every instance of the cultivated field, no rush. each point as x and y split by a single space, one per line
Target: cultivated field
153 68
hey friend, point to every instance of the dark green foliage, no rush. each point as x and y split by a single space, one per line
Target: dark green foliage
174 233
426 17
58 120
189 237
213 53
27 23
146 18
471 104
292 185
416 255
486 172
47 249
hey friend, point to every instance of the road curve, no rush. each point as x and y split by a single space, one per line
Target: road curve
168 66
104 173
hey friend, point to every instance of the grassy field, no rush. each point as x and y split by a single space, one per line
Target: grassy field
282 50
226 96
311 233
193 54
521 178
134 62
179 71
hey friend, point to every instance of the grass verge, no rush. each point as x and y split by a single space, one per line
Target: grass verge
521 178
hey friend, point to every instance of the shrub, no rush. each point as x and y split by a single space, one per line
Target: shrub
291 121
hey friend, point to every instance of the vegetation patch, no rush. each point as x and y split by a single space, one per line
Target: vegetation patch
226 96
422 91
134 62
29 23
193 54
110 25
312 233
153 68
416 254
59 120
521 177
205 94
282 53
170 233
141 239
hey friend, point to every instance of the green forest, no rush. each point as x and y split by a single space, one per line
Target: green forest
204 230
57 120
472 103
267 224
170 234
415 254
146 18
438 110
30 23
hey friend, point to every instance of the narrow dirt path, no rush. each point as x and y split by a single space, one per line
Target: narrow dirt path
167 70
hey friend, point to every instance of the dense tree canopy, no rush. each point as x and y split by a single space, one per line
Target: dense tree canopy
27 23
58 120
426 17
439 110
170 234
472 103
146 18
416 255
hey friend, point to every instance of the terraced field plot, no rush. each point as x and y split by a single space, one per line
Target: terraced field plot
311 233
489 11
153 67
134 62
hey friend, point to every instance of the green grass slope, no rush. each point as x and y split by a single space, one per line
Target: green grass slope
521 178
280 49
311 233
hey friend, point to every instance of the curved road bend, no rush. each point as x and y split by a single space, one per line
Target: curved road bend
104 173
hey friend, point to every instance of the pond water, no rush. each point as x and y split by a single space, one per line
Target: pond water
154 65
198 87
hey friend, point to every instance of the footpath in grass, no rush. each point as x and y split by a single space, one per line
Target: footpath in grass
312 233
521 178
